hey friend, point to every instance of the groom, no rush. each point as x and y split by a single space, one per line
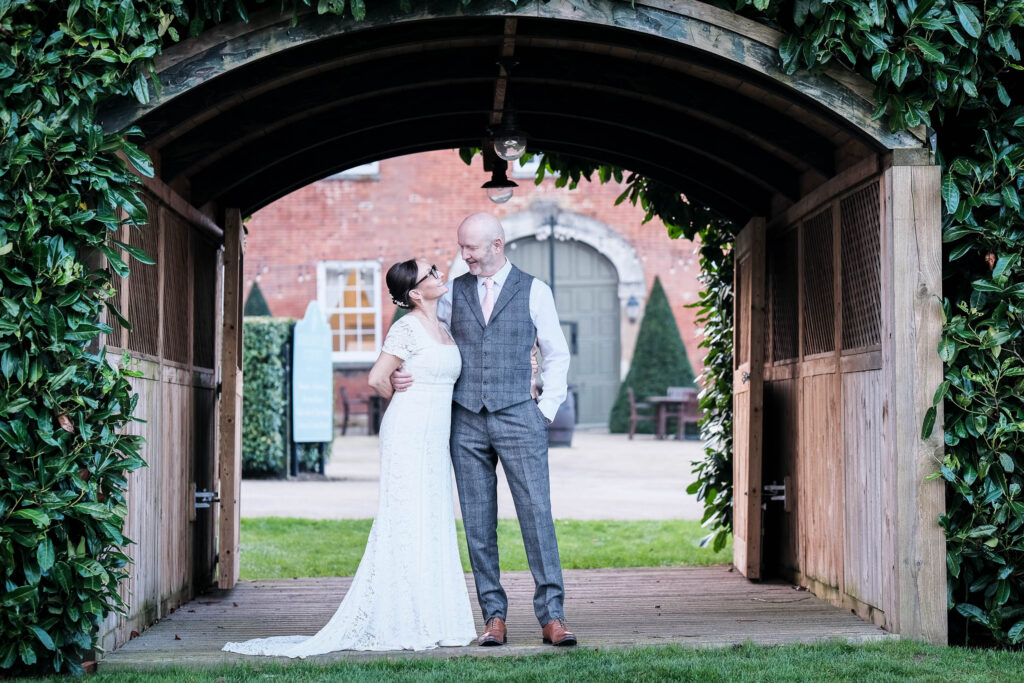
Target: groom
496 312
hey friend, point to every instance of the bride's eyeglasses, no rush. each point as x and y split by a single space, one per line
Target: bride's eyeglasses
433 272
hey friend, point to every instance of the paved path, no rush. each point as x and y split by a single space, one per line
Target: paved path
602 476
607 608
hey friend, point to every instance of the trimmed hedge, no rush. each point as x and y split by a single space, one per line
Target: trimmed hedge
266 449
659 361
264 396
255 303
309 454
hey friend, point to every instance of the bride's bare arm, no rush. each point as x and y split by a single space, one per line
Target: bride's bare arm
380 373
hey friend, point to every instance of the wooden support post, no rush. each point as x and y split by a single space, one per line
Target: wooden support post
911 257
230 447
748 396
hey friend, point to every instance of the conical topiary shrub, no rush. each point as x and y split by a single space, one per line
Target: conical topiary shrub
256 304
659 361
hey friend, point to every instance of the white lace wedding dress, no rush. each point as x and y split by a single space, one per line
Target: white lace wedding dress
409 592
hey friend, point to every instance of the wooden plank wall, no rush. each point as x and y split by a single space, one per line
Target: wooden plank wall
824 403
820 471
863 483
173 547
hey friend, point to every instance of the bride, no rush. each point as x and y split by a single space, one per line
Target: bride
409 592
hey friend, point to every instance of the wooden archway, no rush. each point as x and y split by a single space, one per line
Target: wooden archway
678 90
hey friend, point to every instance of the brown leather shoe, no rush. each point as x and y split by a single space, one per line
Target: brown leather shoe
494 633
556 633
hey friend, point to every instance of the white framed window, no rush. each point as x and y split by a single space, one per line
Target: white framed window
370 171
349 295
528 169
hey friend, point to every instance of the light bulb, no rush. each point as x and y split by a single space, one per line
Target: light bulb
500 195
509 144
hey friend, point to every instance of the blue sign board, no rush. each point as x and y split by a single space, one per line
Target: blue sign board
312 379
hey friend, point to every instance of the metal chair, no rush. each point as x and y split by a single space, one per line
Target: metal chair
634 415
375 407
346 410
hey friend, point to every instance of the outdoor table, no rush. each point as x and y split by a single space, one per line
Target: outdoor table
661 405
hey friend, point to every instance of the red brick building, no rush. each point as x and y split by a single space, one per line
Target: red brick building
334 240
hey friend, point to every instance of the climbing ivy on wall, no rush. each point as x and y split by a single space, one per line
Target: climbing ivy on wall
65 187
64 450
955 67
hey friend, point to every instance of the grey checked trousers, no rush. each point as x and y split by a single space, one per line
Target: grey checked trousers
518 437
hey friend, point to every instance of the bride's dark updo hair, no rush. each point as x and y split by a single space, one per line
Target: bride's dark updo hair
401 279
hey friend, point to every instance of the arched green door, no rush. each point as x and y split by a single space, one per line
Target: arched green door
586 295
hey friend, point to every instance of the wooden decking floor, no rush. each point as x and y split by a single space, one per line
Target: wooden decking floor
696 606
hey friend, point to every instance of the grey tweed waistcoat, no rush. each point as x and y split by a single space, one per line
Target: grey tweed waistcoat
496 366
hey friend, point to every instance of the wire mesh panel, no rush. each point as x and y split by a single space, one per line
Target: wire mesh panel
177 302
818 273
117 301
742 346
142 311
785 319
766 343
204 297
859 223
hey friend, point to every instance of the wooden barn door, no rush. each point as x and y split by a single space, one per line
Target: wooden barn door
586 295
230 450
748 395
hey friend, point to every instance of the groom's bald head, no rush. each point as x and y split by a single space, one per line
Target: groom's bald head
482 225
482 243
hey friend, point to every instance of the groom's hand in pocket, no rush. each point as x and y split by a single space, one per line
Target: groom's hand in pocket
400 381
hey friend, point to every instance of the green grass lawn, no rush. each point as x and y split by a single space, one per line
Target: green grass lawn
888 661
283 547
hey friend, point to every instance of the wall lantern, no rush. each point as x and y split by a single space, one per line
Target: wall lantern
633 309
499 187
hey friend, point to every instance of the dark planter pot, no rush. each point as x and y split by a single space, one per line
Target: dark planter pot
561 428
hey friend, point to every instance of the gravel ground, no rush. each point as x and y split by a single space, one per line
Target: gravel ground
601 476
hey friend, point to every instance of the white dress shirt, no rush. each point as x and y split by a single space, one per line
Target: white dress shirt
554 370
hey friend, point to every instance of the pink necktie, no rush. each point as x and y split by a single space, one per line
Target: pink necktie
488 304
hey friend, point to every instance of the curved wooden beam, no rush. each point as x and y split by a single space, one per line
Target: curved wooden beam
742 42
640 129
265 185
438 128
782 143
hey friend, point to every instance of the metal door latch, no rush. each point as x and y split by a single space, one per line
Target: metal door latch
777 492
204 498
746 377
774 492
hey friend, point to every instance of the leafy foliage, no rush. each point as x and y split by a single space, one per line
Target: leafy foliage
955 66
266 449
65 186
65 452
309 454
659 361
264 396
713 484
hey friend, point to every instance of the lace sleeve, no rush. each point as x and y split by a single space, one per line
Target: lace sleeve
402 340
